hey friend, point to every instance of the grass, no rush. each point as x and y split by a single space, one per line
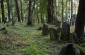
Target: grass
72 28
27 40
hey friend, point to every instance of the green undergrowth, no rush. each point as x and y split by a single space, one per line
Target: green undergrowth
72 28
27 40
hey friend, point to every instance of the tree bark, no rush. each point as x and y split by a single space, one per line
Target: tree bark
51 11
21 10
17 10
31 12
2 8
71 21
62 11
42 18
8 4
66 7
79 26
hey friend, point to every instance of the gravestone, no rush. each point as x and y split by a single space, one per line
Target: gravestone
65 31
45 29
54 33
73 38
69 49
4 30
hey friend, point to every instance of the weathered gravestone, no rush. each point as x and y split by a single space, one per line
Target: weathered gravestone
54 33
73 38
45 29
4 30
69 50
56 22
65 31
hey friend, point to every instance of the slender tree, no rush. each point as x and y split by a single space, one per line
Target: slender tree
71 12
62 10
42 11
66 7
8 4
21 10
42 18
17 10
2 8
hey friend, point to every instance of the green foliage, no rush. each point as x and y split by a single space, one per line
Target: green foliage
23 40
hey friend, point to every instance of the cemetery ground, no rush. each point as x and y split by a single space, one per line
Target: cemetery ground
27 40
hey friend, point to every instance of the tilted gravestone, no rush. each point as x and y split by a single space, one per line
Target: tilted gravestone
45 29
65 31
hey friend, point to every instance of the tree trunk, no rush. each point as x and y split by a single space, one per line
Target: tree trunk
66 7
21 10
51 11
62 11
2 8
8 4
11 11
31 12
42 18
38 19
79 27
17 10
71 22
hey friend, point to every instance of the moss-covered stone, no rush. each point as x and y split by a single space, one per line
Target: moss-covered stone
54 33
72 49
45 29
73 38
65 31
69 49
82 49
4 30
56 22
